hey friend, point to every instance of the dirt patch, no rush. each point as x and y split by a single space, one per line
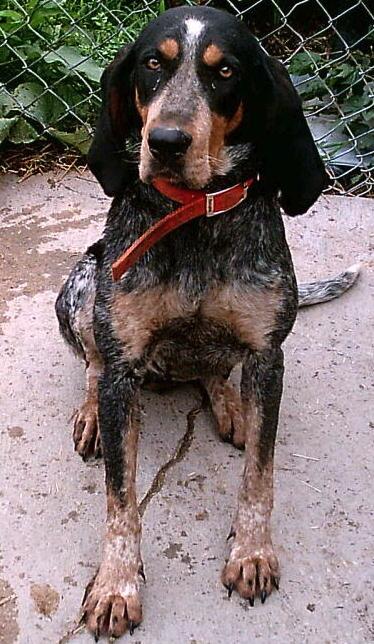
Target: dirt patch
34 214
72 516
171 552
201 516
15 432
25 264
8 614
46 599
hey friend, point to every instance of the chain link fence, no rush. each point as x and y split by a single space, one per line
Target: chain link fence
52 53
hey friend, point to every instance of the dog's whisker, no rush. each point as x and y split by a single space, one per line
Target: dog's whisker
220 166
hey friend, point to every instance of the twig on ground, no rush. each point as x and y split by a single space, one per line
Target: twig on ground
308 458
6 600
316 489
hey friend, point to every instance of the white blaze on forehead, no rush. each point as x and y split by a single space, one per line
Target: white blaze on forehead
194 28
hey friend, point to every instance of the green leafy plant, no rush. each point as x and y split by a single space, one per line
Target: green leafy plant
52 54
346 84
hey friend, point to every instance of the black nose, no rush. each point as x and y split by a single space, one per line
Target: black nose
167 143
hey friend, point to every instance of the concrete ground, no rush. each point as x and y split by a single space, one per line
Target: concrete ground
52 504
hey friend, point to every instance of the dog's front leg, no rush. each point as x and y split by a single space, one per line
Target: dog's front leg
111 604
252 568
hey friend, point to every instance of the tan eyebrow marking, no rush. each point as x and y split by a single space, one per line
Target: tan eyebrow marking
169 48
212 55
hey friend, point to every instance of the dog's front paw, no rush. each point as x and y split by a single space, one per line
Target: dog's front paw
111 604
86 435
251 570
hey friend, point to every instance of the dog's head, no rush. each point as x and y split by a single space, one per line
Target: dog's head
193 89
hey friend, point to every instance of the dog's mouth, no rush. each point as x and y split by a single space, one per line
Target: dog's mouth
173 174
173 171
173 177
194 170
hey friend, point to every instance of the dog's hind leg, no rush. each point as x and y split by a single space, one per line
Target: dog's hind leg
86 433
227 409
74 310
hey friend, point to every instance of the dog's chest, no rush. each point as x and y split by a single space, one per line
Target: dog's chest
221 314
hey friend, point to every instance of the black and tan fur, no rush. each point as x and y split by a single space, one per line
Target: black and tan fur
215 293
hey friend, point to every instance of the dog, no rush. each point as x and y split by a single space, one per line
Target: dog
194 112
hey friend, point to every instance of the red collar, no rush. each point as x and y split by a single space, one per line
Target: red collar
195 204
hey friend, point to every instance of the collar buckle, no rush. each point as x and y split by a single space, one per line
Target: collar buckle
210 198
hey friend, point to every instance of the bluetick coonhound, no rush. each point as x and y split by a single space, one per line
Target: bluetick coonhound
195 103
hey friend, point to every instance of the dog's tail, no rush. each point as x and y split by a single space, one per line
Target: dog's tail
328 289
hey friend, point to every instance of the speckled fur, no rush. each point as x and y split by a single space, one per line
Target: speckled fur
215 293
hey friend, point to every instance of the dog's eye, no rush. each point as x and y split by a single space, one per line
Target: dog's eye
153 64
225 71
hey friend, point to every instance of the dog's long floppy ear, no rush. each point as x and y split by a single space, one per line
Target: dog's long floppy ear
291 162
107 157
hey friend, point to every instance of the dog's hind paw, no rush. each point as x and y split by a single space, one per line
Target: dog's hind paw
86 435
227 410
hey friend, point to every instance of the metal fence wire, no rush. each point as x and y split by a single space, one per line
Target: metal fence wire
52 54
